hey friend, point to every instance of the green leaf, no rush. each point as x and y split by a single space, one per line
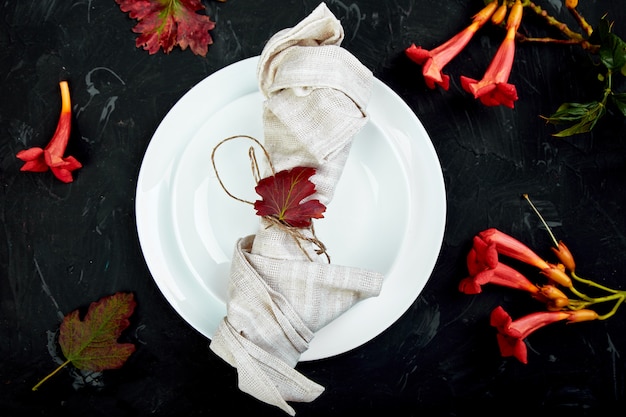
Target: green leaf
619 99
568 112
584 117
612 47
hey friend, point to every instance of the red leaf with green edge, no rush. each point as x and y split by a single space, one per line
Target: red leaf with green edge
91 344
282 196
163 24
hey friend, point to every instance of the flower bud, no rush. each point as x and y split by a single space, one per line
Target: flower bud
515 16
557 304
557 275
554 298
551 292
499 14
582 315
565 256
484 15
571 4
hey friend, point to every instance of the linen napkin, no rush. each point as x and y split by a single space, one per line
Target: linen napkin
315 95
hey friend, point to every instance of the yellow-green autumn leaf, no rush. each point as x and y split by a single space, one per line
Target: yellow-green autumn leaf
91 344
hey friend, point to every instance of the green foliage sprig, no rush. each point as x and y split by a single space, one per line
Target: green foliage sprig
582 117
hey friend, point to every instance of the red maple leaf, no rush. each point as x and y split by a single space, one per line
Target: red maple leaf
167 23
91 344
282 196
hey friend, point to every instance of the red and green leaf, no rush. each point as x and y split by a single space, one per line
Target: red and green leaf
91 344
164 24
283 194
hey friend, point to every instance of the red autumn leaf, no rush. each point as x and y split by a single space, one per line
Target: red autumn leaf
91 344
283 194
167 23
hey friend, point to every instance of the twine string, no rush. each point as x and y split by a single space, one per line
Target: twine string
253 161
295 232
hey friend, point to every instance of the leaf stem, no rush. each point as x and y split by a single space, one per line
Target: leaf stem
51 374
608 90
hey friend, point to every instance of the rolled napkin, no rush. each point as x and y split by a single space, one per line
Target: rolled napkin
279 294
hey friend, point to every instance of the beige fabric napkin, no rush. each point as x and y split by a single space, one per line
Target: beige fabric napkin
315 98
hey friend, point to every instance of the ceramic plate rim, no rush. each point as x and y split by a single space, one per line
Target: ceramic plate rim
159 164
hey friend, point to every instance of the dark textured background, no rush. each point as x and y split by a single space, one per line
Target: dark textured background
63 246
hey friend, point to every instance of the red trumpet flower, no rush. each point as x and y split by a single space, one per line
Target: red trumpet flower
509 246
434 60
51 157
502 275
496 242
511 334
494 88
484 268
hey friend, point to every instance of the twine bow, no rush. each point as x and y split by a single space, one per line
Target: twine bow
295 232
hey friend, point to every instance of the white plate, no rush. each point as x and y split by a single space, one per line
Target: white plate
388 213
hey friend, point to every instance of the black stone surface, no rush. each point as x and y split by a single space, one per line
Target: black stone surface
63 246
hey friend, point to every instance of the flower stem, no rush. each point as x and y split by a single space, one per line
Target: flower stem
554 22
63 365
572 36
581 295
608 90
595 284
581 21
556 243
619 297
620 300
